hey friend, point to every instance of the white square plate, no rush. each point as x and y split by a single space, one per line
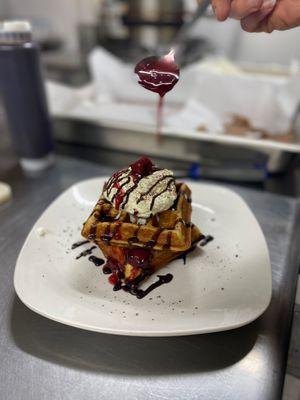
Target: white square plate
223 285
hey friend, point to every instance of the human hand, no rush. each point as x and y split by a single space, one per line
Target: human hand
260 15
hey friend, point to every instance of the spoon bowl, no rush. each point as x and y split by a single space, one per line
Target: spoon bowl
158 74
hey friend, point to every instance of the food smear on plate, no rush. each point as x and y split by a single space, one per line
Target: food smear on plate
141 222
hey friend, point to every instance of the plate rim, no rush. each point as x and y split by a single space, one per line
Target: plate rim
143 333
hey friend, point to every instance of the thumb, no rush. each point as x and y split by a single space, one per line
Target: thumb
285 15
255 21
252 21
221 9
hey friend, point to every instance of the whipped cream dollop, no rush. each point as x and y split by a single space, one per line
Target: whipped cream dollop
142 191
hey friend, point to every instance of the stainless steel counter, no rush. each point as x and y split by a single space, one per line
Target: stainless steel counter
44 360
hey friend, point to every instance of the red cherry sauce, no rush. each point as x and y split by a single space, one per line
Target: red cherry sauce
119 196
142 167
160 75
138 257
113 279
116 270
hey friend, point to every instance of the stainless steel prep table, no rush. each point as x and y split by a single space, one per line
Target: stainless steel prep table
44 360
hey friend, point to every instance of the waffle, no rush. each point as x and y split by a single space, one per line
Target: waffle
167 230
159 258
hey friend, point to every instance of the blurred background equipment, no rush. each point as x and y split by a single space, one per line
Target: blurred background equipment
23 95
153 24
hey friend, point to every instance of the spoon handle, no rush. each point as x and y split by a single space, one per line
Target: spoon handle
184 30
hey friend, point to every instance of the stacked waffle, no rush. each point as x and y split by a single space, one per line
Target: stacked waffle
141 222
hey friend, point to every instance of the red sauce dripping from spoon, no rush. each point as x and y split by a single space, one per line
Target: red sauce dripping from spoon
160 75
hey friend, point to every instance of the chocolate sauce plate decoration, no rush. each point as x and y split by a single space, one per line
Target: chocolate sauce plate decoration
224 283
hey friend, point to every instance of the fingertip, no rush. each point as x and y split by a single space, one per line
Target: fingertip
262 27
258 22
221 10
222 17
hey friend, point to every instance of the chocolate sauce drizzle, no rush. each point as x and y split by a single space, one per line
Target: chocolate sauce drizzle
133 286
205 240
154 239
86 252
162 279
154 185
132 240
127 194
160 193
179 193
120 187
78 244
167 245
108 235
96 261
93 230
185 253
106 270
183 257
113 180
155 221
